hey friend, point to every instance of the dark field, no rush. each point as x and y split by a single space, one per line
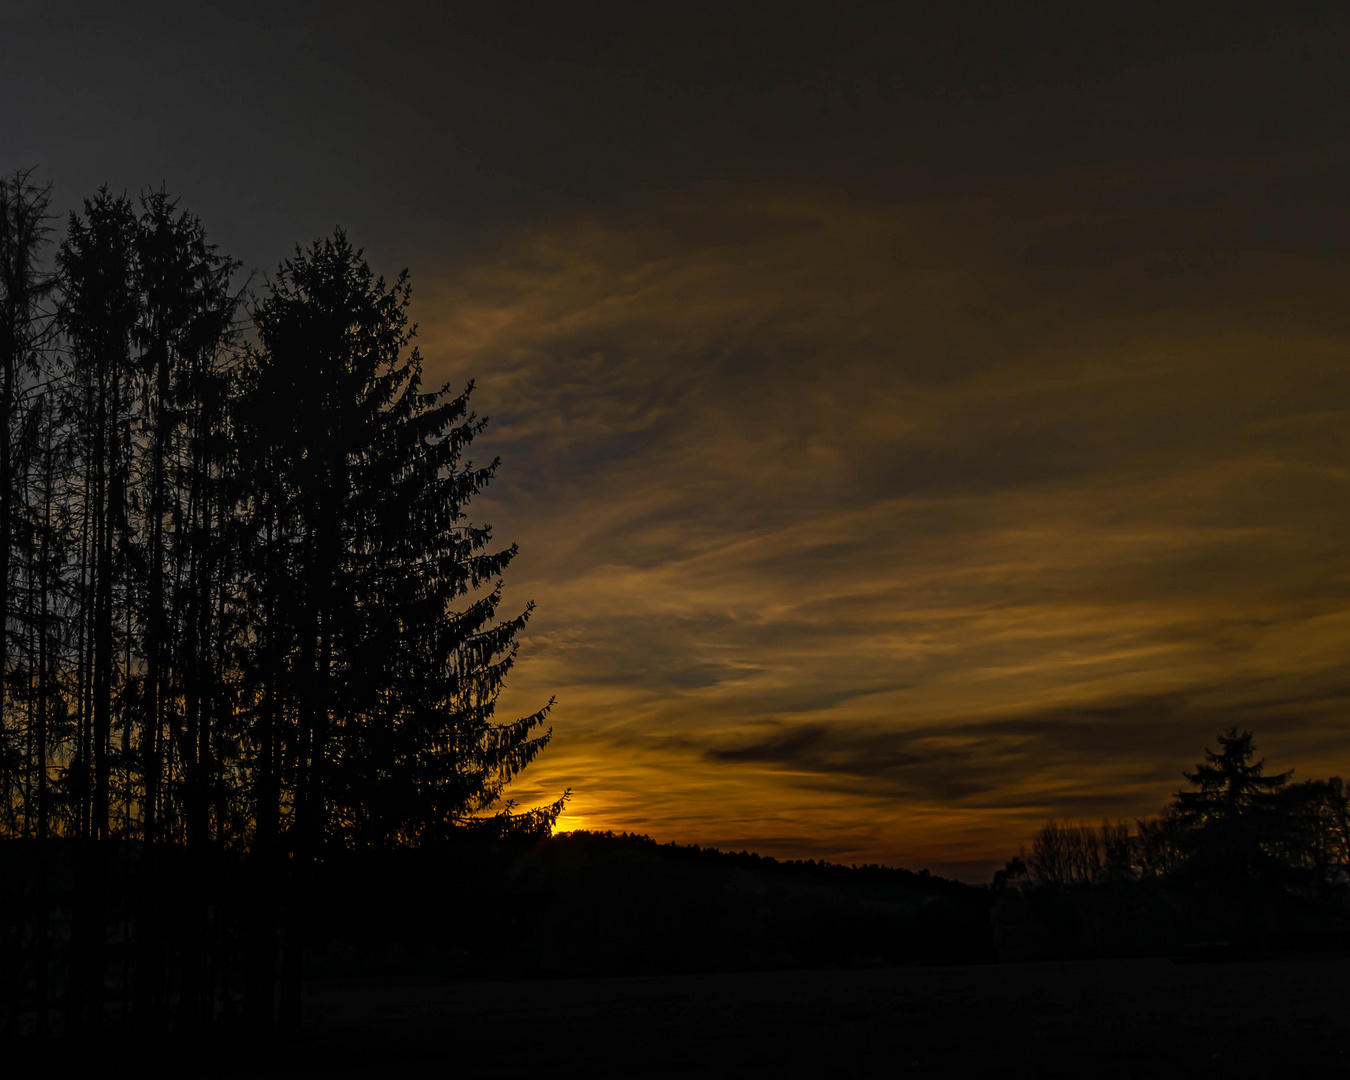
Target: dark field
1123 1018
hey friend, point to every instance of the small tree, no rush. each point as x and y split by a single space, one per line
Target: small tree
1118 851
1231 813
1314 820
1048 862
1160 845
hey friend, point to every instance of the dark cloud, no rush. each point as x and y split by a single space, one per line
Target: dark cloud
1129 752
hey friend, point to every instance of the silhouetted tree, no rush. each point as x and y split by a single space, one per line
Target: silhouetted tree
1160 844
1013 874
25 329
99 317
47 552
185 317
1312 823
1118 851
380 694
1231 811
1075 853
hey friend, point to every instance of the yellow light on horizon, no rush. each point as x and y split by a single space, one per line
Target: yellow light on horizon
567 823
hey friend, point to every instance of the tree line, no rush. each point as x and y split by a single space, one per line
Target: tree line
247 619
1234 823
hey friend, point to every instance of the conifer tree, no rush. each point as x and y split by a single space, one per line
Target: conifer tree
382 694
1230 812
99 312
186 311
25 330
99 318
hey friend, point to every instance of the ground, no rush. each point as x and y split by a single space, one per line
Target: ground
1143 1018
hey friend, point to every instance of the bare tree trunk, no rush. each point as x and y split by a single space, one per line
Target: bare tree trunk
265 880
42 958
7 411
303 827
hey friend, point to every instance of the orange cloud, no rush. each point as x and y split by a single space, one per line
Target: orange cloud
849 541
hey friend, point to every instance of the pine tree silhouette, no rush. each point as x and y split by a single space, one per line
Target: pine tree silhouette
361 547
1232 811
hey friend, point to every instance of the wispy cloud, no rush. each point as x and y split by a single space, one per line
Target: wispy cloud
895 406
859 524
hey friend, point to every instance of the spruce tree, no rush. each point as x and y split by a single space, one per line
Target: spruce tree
99 315
378 687
99 318
1230 813
26 295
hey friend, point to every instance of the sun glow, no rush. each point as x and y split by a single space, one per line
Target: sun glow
567 823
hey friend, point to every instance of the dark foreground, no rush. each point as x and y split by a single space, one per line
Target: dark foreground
1131 1018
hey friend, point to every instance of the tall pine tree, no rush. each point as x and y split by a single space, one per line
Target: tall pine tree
379 691
26 294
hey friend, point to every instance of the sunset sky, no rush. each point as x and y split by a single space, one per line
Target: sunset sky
917 420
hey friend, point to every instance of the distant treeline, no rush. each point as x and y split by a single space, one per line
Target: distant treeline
1239 856
244 609
823 869
586 903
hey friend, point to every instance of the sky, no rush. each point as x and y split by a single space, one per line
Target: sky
917 421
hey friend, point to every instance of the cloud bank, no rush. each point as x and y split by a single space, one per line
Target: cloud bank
887 531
